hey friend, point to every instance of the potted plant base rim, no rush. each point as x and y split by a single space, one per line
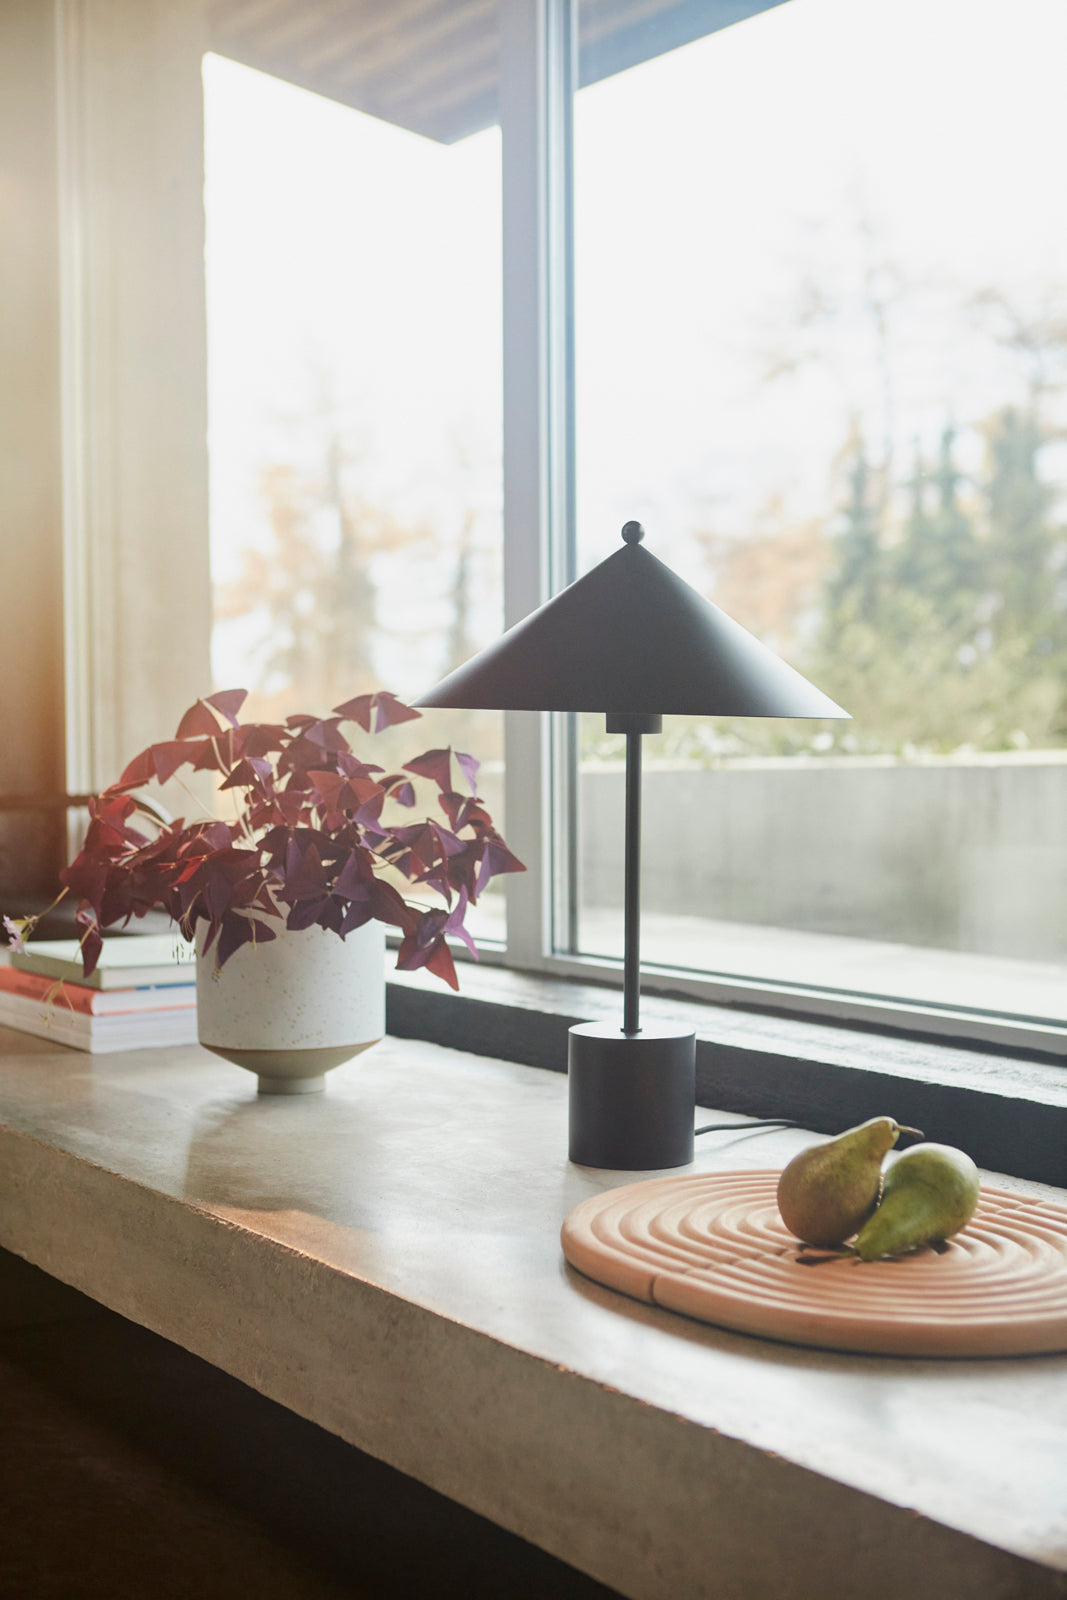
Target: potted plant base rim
292 1008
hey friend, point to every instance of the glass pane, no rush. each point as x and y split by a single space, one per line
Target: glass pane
354 343
821 353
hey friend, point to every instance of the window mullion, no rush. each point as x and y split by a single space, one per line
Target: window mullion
535 57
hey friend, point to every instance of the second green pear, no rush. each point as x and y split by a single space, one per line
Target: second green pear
928 1194
827 1192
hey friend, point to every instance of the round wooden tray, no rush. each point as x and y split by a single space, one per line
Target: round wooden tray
712 1245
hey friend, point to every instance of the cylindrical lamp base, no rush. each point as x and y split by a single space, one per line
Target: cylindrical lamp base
632 1097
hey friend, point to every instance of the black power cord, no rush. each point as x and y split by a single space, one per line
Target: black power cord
743 1127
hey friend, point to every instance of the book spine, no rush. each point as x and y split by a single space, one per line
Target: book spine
94 1033
50 991
66 996
54 969
71 1029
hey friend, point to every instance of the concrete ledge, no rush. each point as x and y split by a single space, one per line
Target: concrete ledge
958 852
384 1260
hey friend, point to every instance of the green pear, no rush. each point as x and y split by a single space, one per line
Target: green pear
828 1191
928 1194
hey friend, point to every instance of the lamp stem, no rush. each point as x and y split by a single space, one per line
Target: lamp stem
634 724
631 982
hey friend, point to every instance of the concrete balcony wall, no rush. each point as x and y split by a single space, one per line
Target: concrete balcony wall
957 854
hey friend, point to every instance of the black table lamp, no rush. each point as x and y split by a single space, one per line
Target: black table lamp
631 639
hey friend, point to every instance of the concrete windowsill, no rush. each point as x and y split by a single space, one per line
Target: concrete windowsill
384 1260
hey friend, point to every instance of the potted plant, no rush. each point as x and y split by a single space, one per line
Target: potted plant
306 870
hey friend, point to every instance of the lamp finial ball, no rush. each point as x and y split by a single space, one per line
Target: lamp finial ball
633 532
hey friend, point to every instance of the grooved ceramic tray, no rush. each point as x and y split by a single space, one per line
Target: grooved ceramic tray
713 1246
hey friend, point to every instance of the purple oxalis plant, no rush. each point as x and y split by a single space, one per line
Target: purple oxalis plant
309 844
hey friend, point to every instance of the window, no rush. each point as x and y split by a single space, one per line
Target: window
826 369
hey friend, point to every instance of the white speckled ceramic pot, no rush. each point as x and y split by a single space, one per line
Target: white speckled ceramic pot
290 1009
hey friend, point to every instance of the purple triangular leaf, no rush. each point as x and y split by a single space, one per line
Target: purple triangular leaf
469 767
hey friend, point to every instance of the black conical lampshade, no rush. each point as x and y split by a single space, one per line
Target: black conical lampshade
631 636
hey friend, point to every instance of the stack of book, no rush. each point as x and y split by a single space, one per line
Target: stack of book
142 992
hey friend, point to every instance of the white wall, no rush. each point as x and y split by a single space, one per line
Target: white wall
105 605
31 574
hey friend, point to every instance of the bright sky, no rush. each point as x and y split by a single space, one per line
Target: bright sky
750 162
712 185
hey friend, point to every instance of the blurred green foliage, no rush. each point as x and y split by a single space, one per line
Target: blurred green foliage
941 626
